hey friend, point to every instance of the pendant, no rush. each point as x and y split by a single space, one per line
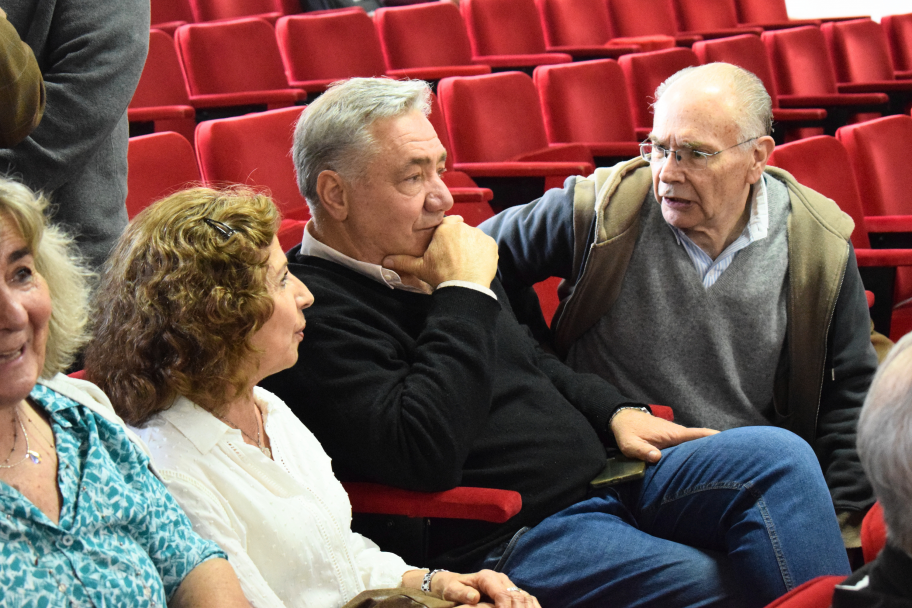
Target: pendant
266 451
34 456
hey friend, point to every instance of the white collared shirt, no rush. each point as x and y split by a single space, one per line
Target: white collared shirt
756 229
311 246
285 523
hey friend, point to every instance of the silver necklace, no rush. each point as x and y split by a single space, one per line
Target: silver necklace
258 441
31 454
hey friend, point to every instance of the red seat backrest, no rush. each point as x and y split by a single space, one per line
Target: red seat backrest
495 117
575 22
822 164
255 150
762 11
503 27
159 164
816 593
167 11
631 18
800 61
645 72
859 50
873 533
585 102
899 32
884 177
696 15
230 57
423 35
210 10
745 51
330 44
161 82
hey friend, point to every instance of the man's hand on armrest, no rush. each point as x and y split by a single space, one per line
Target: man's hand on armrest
457 252
642 436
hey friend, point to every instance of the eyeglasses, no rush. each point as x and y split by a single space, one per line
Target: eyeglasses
688 160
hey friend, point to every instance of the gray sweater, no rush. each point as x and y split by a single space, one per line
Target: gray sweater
712 353
91 54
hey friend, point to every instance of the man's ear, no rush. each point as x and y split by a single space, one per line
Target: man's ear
333 193
761 153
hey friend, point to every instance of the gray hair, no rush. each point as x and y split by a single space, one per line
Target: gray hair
754 106
58 261
334 132
885 441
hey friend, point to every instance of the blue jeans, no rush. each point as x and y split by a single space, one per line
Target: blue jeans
735 519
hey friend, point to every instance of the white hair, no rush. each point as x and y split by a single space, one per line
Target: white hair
334 132
885 441
754 106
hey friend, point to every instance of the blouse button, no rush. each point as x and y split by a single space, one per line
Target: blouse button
61 588
66 541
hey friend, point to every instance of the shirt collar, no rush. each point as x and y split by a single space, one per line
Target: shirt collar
757 226
200 426
311 246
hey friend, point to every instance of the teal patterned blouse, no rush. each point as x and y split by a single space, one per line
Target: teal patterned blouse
121 539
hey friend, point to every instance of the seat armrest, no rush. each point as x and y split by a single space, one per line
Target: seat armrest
888 223
485 504
525 169
662 411
832 99
883 257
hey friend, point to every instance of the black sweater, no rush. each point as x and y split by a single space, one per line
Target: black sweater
429 392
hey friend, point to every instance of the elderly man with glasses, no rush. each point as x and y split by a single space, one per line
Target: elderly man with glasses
698 277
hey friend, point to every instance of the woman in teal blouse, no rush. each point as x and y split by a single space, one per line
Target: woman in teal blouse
83 520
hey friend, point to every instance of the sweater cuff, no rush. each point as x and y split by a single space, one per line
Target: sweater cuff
468 285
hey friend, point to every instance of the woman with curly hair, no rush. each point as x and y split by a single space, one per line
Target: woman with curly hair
195 308
82 518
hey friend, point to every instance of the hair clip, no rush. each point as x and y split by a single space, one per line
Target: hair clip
224 229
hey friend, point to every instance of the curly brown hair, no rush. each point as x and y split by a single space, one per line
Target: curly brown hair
182 294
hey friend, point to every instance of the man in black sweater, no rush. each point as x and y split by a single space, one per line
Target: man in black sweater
416 374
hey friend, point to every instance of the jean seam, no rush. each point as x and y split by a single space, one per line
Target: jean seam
761 507
508 550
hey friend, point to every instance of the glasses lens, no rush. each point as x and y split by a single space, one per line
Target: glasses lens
690 160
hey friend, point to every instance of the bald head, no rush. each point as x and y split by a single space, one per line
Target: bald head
734 88
885 441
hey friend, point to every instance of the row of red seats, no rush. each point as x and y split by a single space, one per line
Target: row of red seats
168 15
856 170
243 62
567 91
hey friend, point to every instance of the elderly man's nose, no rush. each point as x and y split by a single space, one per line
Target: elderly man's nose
671 168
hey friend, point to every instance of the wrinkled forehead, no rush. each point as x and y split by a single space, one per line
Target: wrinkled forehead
695 115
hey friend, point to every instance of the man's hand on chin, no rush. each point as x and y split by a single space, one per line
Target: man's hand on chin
457 252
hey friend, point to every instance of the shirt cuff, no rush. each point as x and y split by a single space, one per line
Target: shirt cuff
468 285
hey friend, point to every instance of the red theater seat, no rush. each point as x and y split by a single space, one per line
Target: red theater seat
586 103
161 97
159 164
497 133
426 41
507 34
233 63
254 150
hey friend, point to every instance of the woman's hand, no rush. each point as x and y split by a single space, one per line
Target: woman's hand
469 589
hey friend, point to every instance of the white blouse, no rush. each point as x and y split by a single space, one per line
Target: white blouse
285 524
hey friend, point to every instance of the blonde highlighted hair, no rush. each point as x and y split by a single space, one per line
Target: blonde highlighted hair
182 294
60 264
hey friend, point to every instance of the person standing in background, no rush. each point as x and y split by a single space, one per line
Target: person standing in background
22 97
91 55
